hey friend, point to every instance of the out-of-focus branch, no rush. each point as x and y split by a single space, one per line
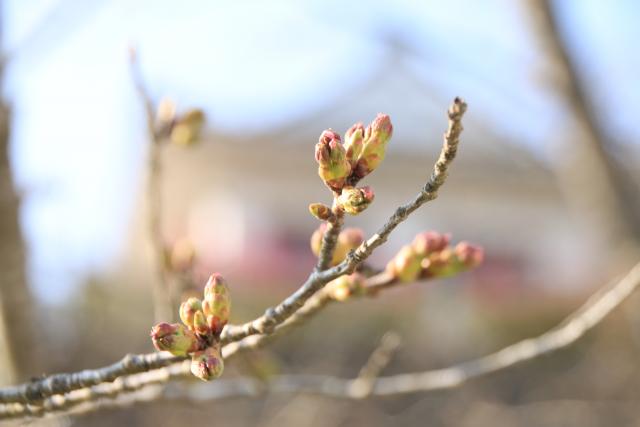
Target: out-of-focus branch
574 327
162 299
17 358
588 174
378 360
64 383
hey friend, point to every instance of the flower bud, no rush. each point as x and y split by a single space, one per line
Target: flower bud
188 310
346 286
348 239
376 137
355 200
187 128
406 265
430 241
331 156
470 256
207 364
217 303
174 338
320 211
200 325
353 143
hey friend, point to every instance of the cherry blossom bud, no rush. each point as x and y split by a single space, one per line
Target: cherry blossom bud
207 364
187 128
406 265
174 338
348 239
355 200
354 142
188 310
320 211
333 166
376 137
470 256
217 303
346 286
430 241
200 325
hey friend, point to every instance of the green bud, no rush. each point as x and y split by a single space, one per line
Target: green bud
207 364
333 166
448 262
406 265
355 200
200 324
376 137
320 211
188 310
354 142
174 338
346 286
187 128
217 303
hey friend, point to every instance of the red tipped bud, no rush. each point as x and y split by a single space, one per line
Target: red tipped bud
406 265
320 211
430 241
355 200
208 364
188 310
331 156
354 142
217 303
376 137
345 287
174 338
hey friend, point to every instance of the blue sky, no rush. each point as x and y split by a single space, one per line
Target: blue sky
78 142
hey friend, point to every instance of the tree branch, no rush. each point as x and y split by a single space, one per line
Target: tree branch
267 324
574 327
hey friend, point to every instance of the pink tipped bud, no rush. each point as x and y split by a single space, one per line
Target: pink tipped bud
333 166
188 310
470 256
354 142
208 364
345 287
348 239
217 303
430 241
406 265
355 200
174 338
320 211
376 137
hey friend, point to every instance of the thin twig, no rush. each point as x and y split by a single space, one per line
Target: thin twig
378 360
330 238
266 324
161 291
574 327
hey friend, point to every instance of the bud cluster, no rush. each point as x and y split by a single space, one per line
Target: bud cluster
199 333
341 166
430 255
348 240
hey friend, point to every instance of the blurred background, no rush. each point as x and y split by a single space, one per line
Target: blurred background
547 181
